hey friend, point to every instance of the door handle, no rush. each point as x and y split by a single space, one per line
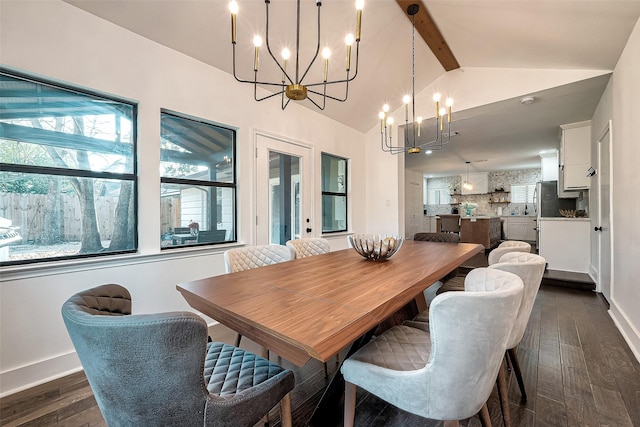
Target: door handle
597 228
308 230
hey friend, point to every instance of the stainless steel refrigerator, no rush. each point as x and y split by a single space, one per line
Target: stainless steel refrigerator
548 204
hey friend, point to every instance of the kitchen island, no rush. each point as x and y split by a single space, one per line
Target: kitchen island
484 230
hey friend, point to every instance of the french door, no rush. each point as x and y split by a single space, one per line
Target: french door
283 190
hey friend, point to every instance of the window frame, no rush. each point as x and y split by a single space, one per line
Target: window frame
344 194
207 183
131 177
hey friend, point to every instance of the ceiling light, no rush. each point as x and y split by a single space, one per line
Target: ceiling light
412 144
467 184
527 100
293 85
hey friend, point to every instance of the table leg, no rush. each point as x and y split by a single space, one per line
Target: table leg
329 409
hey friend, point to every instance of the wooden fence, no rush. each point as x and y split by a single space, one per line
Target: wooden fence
28 212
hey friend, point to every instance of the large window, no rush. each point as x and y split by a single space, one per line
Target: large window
67 172
334 193
522 193
198 182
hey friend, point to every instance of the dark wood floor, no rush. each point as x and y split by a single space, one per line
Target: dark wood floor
577 367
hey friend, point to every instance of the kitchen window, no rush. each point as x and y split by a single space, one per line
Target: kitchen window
198 182
67 172
334 193
522 193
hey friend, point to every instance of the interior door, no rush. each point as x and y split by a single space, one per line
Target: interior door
604 220
283 190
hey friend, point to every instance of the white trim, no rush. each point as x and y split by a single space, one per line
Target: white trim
630 334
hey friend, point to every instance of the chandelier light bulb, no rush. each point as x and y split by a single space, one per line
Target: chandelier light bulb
436 97
419 120
449 102
326 53
359 4
286 54
381 115
443 111
406 99
348 40
389 121
385 108
233 7
257 41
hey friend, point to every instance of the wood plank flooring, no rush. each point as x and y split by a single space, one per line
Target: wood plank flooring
577 368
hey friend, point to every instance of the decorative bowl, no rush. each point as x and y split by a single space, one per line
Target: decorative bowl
568 213
376 247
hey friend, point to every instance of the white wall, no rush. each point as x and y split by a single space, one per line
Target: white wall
58 41
625 288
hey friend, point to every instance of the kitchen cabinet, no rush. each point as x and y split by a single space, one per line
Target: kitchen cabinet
549 166
520 228
565 243
575 156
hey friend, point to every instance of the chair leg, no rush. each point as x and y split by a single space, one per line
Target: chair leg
238 338
349 404
513 356
503 394
285 411
451 423
485 418
325 370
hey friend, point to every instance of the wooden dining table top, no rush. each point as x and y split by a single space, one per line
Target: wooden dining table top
314 307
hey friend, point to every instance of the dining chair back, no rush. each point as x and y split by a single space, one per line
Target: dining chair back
530 268
159 370
437 237
506 247
309 246
245 258
428 372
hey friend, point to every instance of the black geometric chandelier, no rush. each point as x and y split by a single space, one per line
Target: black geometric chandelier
293 85
412 131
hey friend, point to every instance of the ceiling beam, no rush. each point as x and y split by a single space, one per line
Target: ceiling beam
431 34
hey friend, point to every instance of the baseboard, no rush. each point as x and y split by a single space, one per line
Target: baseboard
628 331
33 374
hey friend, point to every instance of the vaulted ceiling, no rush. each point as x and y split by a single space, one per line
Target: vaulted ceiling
510 34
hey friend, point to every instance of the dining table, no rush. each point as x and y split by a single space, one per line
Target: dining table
314 307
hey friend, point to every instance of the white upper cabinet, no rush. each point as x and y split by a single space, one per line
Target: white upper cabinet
575 155
479 182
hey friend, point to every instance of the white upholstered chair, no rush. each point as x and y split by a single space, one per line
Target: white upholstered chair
530 268
428 373
248 257
309 246
506 247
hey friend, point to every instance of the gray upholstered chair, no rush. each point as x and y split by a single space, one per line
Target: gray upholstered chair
437 237
159 370
530 268
506 247
245 258
309 246
429 372
248 257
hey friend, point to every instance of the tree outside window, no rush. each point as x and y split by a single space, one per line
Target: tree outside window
67 172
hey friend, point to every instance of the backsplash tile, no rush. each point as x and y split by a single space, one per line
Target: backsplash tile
500 179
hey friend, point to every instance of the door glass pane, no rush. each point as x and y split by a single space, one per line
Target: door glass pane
284 198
